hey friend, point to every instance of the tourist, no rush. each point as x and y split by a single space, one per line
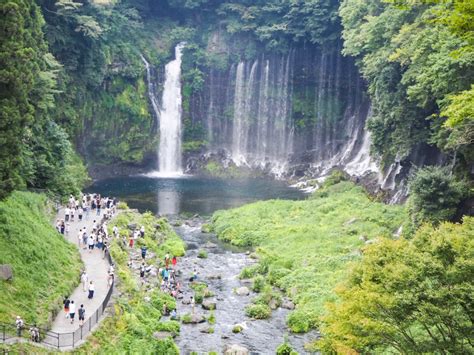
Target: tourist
143 249
90 243
82 313
66 214
79 238
67 229
71 213
115 231
72 311
142 270
173 315
174 261
66 304
84 279
19 325
63 227
142 231
130 263
193 303
130 243
110 280
84 238
105 248
91 290
99 241
98 209
80 212
35 334
167 260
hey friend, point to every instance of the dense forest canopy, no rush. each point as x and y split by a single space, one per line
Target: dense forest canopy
74 94
82 73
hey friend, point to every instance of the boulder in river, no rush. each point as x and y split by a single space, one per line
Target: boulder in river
6 272
242 291
235 350
209 305
288 305
132 226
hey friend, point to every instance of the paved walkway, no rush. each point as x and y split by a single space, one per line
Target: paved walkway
97 271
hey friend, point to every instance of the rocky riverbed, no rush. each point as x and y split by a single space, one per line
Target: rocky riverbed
220 272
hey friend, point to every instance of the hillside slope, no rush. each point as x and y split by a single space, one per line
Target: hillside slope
45 266
304 247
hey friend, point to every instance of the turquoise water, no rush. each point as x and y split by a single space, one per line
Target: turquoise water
192 195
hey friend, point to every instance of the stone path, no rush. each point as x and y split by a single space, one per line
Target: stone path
97 269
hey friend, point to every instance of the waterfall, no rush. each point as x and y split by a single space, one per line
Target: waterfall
262 131
151 88
169 150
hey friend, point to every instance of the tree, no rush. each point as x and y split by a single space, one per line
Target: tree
435 195
407 296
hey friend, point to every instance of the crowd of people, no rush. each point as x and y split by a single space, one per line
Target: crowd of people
80 210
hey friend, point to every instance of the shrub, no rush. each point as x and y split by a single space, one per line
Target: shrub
258 311
258 283
212 318
435 195
237 329
202 254
186 318
248 272
168 326
285 349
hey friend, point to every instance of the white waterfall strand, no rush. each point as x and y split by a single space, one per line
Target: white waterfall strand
169 150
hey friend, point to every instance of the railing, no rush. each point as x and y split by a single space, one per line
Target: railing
54 339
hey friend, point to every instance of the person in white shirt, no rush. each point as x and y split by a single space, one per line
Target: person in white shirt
72 311
67 211
91 290
84 279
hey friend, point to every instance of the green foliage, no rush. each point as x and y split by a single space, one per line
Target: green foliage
258 311
285 349
237 328
202 254
323 234
258 283
408 296
35 151
212 318
435 195
413 60
133 320
45 267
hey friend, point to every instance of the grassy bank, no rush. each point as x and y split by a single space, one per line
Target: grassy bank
304 246
45 266
134 320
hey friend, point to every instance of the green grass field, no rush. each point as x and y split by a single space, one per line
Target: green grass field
45 266
305 247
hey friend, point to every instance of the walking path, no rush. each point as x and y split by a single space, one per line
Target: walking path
97 270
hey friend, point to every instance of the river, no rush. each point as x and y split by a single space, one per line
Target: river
185 201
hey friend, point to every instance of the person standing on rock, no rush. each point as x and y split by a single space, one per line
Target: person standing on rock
72 311
66 304
66 214
71 213
174 261
143 249
91 290
82 313
142 232
142 270
84 279
193 304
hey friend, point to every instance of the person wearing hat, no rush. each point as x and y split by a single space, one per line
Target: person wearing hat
19 325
